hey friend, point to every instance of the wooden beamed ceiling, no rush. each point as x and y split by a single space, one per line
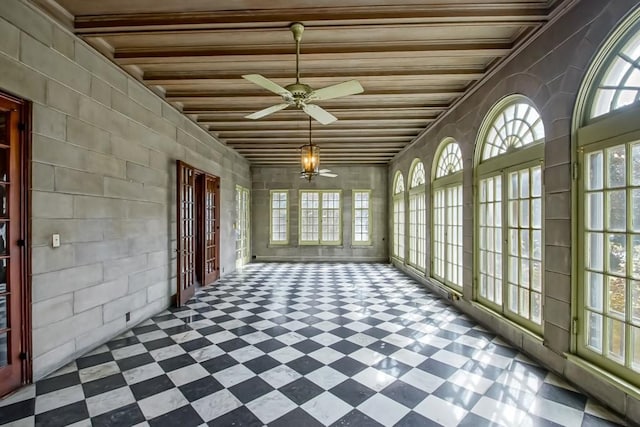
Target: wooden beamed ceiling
414 60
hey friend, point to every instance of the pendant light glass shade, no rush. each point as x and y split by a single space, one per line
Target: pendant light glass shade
310 158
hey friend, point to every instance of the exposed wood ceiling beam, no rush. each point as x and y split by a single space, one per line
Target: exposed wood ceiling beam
252 95
319 139
480 48
302 122
320 132
345 145
336 162
213 76
274 18
364 108
314 51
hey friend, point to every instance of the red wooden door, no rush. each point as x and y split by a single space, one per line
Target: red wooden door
186 238
211 229
13 315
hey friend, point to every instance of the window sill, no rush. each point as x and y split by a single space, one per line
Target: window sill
511 323
606 376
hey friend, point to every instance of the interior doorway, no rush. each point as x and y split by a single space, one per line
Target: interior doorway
198 226
15 296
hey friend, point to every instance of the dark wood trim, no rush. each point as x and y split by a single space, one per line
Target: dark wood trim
22 159
27 330
199 181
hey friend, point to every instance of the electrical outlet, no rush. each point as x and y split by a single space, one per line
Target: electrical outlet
55 240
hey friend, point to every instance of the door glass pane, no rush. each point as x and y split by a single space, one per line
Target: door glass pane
3 275
3 237
4 162
4 314
4 209
4 349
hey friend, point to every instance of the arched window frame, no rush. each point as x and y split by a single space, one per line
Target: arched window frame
446 224
495 233
608 327
417 216
399 225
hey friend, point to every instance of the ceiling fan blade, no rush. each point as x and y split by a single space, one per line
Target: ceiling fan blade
325 171
269 110
320 114
267 84
328 175
336 91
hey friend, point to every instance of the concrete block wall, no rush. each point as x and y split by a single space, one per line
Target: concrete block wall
372 178
549 71
103 177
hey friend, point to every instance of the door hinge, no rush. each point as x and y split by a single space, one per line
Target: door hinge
23 355
22 126
574 327
576 170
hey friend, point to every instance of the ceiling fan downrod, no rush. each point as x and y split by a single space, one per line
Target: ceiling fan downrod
297 29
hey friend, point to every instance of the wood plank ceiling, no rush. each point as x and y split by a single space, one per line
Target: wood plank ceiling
413 59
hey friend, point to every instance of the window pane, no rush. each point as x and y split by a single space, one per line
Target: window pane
594 331
617 218
616 166
594 211
595 170
594 291
615 330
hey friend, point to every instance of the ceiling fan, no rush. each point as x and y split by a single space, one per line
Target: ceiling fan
299 94
310 160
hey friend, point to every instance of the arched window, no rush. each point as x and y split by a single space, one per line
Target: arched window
609 206
398 216
509 158
417 217
447 214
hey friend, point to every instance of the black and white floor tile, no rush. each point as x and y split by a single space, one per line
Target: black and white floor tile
306 345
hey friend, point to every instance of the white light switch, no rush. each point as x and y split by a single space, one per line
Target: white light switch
55 240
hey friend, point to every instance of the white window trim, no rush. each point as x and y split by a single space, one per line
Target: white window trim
286 209
353 218
320 241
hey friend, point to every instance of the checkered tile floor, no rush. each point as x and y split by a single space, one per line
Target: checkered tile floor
306 345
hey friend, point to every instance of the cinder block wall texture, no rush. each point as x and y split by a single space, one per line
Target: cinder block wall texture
372 178
549 72
104 153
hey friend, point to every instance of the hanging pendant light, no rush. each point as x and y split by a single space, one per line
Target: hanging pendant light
310 158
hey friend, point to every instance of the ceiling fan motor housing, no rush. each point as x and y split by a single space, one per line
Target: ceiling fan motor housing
300 92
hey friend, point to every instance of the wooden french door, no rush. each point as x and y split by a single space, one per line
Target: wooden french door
15 313
186 232
198 230
211 227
